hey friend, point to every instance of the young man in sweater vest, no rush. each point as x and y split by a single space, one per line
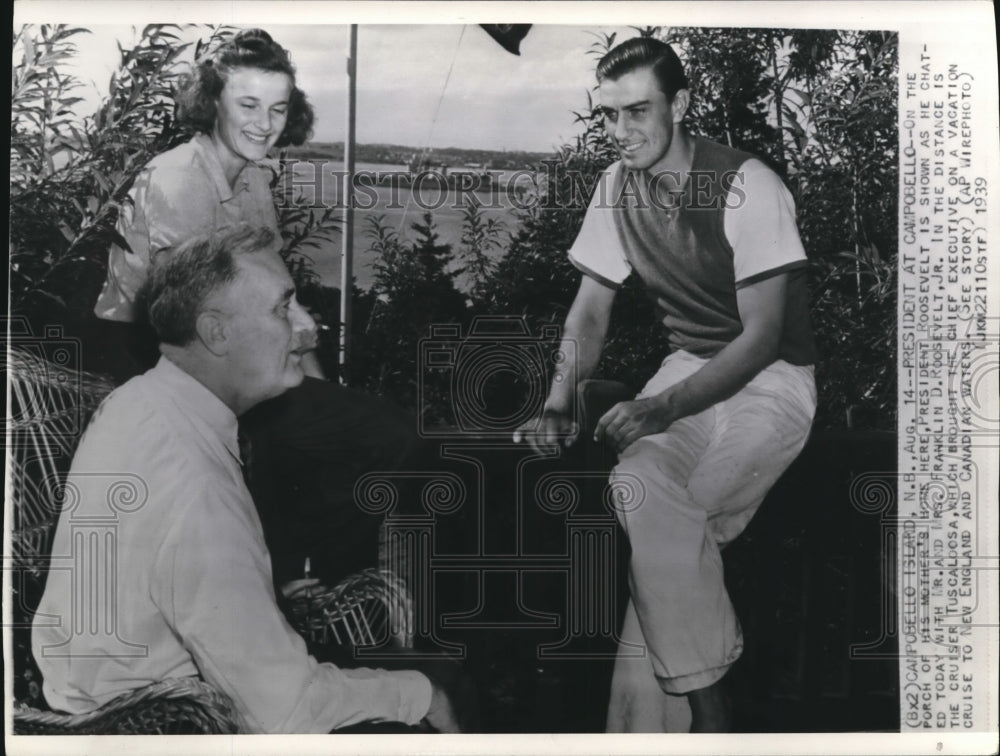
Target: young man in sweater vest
711 233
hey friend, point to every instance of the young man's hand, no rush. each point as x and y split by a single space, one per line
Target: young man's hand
545 432
627 422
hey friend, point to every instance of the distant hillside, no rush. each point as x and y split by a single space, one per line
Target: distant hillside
400 154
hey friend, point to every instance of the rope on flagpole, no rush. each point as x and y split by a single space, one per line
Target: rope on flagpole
430 133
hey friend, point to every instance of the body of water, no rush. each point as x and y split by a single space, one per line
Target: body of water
400 205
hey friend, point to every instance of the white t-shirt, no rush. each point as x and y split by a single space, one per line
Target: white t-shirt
761 229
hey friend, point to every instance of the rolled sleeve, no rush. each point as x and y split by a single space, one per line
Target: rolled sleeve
760 225
214 587
597 251
165 207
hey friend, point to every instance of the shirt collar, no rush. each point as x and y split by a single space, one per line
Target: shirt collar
202 406
204 147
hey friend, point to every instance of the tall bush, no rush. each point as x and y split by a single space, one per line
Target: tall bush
70 175
481 239
820 107
414 290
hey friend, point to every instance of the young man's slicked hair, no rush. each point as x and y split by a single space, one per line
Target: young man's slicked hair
181 279
645 52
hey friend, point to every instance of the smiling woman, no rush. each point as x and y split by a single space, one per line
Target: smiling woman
241 102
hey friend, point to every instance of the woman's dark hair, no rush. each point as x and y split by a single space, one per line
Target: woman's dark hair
252 48
645 52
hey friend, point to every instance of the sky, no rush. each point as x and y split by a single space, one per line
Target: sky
428 75
443 85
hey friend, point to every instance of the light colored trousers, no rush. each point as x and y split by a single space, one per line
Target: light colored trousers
703 480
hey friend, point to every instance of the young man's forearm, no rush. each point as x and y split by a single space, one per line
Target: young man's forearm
583 340
762 310
724 375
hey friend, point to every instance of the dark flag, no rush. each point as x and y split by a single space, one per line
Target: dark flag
508 35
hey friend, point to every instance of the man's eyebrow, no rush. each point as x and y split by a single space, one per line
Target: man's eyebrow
630 106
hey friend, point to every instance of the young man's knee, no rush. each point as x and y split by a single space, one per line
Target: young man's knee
648 461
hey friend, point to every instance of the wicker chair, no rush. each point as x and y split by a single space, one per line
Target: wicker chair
369 608
50 406
182 706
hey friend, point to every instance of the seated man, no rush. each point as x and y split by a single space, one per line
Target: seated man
180 583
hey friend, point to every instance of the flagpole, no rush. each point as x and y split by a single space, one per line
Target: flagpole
347 233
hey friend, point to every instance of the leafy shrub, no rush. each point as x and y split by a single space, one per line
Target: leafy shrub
481 240
68 179
414 289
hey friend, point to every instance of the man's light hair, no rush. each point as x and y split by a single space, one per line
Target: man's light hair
181 279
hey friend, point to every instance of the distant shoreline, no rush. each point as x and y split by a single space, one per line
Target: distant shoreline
395 154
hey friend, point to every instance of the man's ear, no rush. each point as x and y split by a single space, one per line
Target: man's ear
212 328
682 98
